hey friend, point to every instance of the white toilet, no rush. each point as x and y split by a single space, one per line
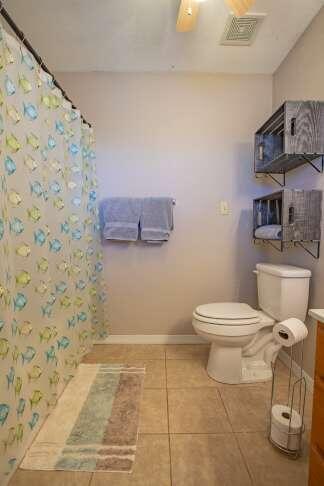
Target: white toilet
242 345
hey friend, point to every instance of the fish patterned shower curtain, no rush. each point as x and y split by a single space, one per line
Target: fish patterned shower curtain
51 297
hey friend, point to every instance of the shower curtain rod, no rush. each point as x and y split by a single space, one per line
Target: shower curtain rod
21 36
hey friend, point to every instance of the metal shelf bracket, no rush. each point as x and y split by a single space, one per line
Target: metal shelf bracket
280 183
317 244
320 169
315 254
271 243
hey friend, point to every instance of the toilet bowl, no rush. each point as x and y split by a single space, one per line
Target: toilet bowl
236 332
243 348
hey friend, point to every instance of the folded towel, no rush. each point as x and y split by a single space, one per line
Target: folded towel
269 232
157 219
120 218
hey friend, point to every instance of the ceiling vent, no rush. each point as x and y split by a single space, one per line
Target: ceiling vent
241 31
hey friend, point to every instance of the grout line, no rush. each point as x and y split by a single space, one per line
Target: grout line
167 397
264 431
226 411
244 460
153 433
219 388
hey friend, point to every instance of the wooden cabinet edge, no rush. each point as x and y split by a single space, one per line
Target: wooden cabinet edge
316 460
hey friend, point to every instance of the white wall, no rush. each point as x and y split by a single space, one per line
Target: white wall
189 137
301 77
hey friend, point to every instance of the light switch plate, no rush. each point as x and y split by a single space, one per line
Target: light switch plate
224 208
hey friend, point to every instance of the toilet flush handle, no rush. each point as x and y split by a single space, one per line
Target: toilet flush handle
256 272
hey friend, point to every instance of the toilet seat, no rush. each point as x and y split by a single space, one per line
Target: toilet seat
227 328
227 314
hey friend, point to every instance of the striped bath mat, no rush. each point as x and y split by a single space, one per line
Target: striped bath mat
94 426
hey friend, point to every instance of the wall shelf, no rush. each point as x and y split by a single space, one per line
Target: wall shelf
296 213
291 137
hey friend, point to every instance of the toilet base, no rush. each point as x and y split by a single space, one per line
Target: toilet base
226 365
254 371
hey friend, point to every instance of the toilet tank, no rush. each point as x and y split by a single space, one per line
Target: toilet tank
283 290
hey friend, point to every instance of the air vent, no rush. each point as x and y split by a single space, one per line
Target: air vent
241 31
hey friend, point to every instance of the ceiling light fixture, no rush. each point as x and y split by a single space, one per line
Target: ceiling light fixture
240 7
187 17
188 12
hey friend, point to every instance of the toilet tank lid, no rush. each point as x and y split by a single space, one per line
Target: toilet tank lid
286 271
227 310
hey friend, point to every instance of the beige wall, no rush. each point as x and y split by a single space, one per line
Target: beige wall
301 76
189 137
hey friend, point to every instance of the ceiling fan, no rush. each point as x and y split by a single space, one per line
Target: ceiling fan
188 12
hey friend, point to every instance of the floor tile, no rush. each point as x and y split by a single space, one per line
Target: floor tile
152 465
270 467
52 478
155 374
197 410
187 351
154 415
103 353
207 460
144 351
188 374
247 408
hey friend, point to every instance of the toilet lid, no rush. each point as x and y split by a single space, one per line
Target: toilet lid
231 311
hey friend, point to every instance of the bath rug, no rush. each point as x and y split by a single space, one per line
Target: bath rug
94 426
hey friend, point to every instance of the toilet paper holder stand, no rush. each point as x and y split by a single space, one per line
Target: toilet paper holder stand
296 399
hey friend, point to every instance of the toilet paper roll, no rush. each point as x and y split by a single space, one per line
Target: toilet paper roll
281 433
289 332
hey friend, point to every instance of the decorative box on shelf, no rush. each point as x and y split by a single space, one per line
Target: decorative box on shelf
292 136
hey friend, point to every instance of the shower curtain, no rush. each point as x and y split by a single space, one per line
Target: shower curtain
51 297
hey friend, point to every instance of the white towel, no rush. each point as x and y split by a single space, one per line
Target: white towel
269 232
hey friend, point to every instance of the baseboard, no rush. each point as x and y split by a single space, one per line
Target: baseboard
152 339
283 356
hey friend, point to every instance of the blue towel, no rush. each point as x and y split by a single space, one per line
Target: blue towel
156 219
120 218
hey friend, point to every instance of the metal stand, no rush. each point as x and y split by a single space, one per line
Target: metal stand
296 398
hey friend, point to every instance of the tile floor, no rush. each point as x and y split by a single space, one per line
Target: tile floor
193 430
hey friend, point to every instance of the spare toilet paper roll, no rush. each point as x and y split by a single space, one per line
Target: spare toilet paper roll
289 332
280 433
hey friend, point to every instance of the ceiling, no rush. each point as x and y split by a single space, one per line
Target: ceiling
140 35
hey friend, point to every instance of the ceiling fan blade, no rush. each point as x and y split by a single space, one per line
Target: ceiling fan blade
188 13
240 7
